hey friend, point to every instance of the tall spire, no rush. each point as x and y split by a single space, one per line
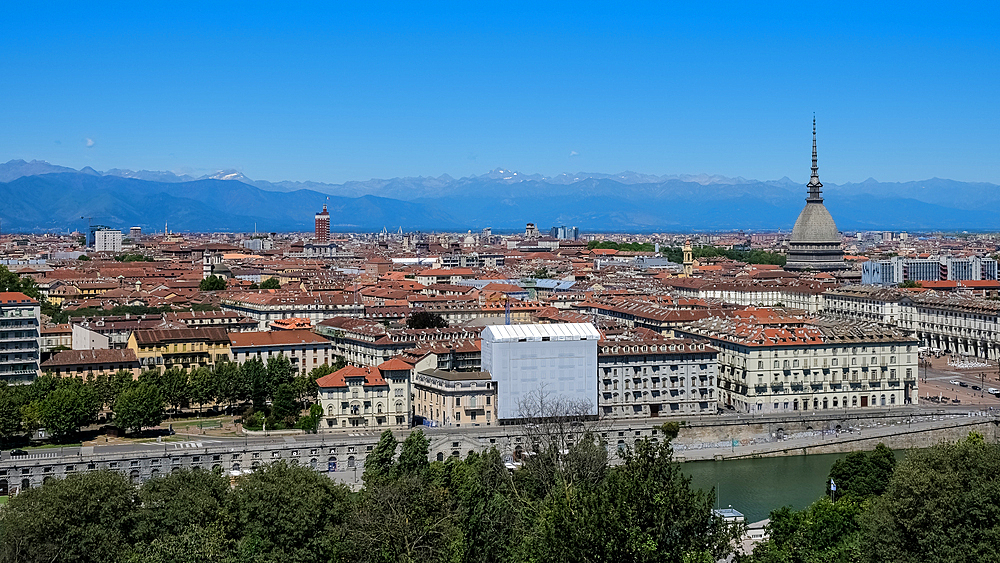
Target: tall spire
814 184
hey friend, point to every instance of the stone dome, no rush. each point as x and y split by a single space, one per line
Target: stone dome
815 224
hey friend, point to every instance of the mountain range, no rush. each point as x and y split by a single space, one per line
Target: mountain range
39 196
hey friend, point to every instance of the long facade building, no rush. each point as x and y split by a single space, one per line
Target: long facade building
950 323
772 364
898 269
304 349
266 306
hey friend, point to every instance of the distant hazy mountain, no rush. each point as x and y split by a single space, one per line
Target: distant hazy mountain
41 196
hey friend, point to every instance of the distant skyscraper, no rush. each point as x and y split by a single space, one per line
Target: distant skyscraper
134 233
815 243
323 226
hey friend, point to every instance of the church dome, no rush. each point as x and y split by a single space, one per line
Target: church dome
815 224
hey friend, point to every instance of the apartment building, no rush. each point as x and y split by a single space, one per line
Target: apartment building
92 363
650 377
454 398
366 397
863 303
560 359
773 364
952 323
19 337
305 349
269 305
184 348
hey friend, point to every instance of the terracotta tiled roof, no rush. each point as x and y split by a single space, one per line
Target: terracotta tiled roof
156 337
394 364
90 357
275 338
339 378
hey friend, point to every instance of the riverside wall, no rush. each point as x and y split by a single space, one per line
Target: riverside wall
803 435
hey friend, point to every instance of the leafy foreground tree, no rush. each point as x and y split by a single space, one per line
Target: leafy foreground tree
942 504
287 513
863 474
644 510
825 531
85 517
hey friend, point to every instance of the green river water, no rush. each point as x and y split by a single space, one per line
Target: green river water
755 487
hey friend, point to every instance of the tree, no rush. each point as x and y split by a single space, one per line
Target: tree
942 504
270 283
824 531
863 474
305 387
212 283
643 510
254 380
179 500
379 463
279 372
68 408
107 388
10 281
489 509
910 284
426 319
85 517
283 405
83 257
138 407
413 455
10 412
175 388
203 386
306 527
228 382
404 520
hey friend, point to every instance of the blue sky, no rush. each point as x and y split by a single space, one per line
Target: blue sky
350 91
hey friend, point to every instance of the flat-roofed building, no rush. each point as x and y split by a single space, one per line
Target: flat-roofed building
650 377
19 325
305 349
454 398
554 359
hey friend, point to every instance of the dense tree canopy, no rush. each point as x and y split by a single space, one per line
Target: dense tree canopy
425 319
270 283
212 283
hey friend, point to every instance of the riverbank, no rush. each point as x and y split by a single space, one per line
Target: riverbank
749 439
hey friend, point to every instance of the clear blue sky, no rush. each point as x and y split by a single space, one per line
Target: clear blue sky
340 91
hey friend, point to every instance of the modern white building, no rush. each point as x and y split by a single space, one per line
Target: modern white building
108 240
897 270
559 360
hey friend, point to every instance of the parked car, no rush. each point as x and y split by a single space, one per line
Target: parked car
993 390
953 382
18 452
962 384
